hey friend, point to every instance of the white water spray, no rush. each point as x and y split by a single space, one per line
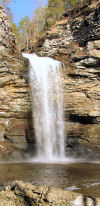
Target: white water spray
47 107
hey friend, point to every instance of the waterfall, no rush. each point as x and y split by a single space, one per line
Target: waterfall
47 106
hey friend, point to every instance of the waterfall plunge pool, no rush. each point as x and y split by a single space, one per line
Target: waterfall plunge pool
80 177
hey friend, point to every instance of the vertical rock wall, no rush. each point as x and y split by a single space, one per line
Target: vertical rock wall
7 39
75 40
15 103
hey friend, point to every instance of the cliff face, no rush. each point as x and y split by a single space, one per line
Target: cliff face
75 40
14 94
7 39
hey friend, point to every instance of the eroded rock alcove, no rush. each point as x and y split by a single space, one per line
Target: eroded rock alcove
74 40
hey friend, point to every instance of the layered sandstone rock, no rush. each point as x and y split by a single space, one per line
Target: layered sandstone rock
75 40
27 194
15 106
7 39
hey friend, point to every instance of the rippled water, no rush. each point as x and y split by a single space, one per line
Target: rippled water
81 177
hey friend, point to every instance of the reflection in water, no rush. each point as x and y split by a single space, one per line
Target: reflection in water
82 176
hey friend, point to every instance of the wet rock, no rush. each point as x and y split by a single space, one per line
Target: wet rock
21 193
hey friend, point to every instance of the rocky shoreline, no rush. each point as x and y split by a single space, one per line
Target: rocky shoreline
20 193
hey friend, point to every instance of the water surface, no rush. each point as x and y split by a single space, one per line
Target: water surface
81 177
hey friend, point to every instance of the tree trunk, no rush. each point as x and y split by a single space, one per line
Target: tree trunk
3 3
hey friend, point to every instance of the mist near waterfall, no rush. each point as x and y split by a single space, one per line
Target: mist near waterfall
47 107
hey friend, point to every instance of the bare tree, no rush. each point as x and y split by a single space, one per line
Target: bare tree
4 2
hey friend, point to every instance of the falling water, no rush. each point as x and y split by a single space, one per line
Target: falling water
47 107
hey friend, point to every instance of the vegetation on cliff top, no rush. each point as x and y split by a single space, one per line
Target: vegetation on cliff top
29 30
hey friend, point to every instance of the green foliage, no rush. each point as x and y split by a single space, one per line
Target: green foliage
71 3
24 31
15 30
54 12
55 8
43 18
49 23
24 24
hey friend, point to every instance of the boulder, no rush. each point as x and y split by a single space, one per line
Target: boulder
23 194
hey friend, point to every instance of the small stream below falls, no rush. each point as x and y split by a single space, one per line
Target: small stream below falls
81 177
